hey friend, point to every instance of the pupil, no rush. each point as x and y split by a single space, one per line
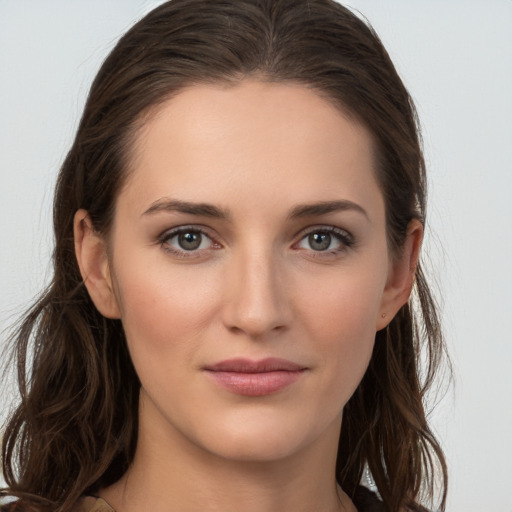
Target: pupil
189 241
320 241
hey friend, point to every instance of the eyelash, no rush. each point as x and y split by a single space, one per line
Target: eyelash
344 238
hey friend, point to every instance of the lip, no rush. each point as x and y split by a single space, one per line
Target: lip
255 378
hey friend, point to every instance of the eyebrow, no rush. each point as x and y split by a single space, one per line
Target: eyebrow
209 210
173 205
326 207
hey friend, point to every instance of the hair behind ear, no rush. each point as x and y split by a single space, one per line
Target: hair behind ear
75 428
384 423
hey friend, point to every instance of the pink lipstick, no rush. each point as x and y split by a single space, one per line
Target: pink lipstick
255 378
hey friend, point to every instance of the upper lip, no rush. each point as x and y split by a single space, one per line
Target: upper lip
241 365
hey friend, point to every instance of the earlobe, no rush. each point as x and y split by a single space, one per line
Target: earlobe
92 258
401 275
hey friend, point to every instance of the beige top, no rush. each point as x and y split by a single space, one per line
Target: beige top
369 503
90 504
366 502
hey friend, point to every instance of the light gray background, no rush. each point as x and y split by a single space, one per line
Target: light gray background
455 57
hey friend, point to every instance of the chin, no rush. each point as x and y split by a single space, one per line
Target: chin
261 438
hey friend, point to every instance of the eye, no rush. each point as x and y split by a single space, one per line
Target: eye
189 240
186 240
326 239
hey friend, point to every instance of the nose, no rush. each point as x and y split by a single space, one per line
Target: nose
258 303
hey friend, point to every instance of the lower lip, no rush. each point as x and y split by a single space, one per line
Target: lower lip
255 384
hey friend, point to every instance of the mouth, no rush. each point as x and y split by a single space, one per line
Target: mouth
255 378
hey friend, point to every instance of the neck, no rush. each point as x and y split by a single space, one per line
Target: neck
169 473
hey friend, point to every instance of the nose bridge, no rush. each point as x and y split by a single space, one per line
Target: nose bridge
257 302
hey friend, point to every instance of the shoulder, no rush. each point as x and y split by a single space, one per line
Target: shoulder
90 504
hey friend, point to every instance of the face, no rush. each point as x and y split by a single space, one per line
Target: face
249 265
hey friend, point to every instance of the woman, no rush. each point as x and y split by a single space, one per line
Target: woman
238 227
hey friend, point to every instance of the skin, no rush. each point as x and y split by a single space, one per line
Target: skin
257 287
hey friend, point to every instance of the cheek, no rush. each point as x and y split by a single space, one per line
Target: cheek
346 303
163 311
340 318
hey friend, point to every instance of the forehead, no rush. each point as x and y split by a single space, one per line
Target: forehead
267 139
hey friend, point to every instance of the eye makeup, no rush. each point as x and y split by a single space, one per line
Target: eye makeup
193 241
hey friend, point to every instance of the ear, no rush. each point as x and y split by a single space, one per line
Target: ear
401 274
92 257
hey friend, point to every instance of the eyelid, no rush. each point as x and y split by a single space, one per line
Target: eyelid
326 228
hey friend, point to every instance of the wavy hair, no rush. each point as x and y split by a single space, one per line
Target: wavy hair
75 428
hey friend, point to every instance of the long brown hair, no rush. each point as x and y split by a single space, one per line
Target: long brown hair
75 429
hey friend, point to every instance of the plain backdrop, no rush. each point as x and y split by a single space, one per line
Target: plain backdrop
456 59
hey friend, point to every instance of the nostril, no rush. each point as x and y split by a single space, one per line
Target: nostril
256 330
